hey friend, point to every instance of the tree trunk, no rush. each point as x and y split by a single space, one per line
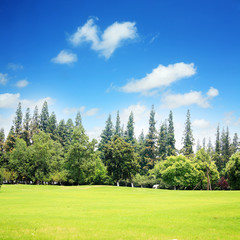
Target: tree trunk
132 184
118 183
174 187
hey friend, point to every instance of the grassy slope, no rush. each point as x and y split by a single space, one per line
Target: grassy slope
102 212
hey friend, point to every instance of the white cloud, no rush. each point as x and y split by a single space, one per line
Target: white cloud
186 99
91 112
179 100
65 57
69 111
212 92
22 83
110 39
10 100
201 123
3 78
14 66
160 77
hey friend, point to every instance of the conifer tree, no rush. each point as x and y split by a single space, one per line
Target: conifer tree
198 147
106 135
118 127
188 137
171 150
235 143
141 138
204 144
35 123
225 144
9 144
130 129
69 130
210 147
78 119
44 117
26 127
62 133
218 144
52 126
18 121
150 151
163 141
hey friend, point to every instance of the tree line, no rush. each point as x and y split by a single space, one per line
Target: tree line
40 150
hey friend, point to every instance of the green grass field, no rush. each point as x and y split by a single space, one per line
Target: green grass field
105 212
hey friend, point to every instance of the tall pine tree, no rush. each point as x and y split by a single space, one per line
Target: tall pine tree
163 141
130 129
188 139
44 117
171 150
18 121
150 152
118 125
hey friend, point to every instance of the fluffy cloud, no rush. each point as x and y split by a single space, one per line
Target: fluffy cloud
22 83
14 66
110 39
3 78
160 77
212 92
91 112
10 100
186 99
65 57
201 123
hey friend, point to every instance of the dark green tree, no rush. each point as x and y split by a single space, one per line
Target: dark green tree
130 130
18 121
2 139
162 142
69 131
81 158
26 135
150 152
171 150
235 144
9 144
188 139
44 117
35 123
118 125
233 171
62 133
106 135
121 159
218 143
52 126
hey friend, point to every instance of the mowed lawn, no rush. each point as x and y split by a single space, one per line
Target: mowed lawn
106 212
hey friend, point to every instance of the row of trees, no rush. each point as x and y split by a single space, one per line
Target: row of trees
38 149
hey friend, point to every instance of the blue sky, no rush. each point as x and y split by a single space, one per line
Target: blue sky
104 56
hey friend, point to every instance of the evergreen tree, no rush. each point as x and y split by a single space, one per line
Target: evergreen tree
78 119
150 151
130 129
44 117
18 120
225 144
62 133
218 144
118 127
141 138
9 144
106 135
162 142
188 137
69 131
52 126
26 127
35 124
171 150
235 143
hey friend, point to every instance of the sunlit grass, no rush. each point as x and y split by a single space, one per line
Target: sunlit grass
105 212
